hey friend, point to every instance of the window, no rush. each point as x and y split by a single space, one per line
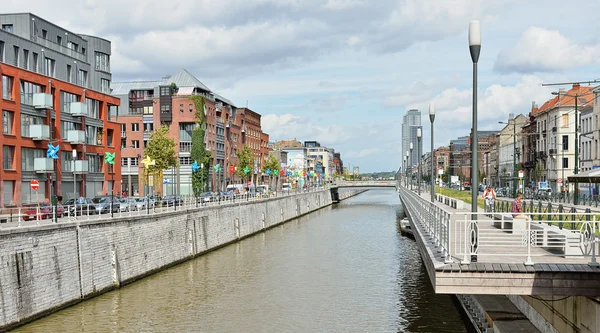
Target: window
9 192
50 70
8 157
7 122
135 127
82 78
93 108
35 62
185 161
148 110
73 46
1 51
105 86
65 101
123 161
123 143
8 28
135 143
165 91
25 59
27 91
69 74
565 120
83 50
133 161
148 127
66 126
95 163
44 34
123 128
28 155
165 108
185 147
58 40
181 107
102 62
67 158
185 131
565 162
16 58
92 136
7 87
565 142
27 121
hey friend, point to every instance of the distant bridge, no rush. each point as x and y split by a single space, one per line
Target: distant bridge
366 183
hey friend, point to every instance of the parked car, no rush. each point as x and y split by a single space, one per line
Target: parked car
127 204
103 204
286 188
172 200
142 202
81 206
542 193
44 211
206 197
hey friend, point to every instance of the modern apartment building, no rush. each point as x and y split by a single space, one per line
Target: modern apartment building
54 85
167 102
410 122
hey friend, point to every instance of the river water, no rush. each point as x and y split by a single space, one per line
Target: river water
345 268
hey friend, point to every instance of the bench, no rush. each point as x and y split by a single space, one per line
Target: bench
546 236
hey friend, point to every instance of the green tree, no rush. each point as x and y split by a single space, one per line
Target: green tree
199 152
538 172
161 148
245 160
271 164
446 175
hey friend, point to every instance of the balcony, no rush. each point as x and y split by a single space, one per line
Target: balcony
43 165
554 129
39 132
552 151
42 101
78 109
80 166
76 136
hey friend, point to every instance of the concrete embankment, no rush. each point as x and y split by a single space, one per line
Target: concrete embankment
45 268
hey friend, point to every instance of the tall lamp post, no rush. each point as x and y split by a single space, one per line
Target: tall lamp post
410 161
406 170
419 133
576 169
110 159
74 152
514 173
475 49
432 118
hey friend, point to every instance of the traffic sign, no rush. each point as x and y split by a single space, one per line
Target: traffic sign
521 173
35 185
440 171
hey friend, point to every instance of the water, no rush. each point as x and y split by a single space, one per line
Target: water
343 269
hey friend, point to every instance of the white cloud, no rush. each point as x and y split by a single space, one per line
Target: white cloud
541 50
289 126
363 153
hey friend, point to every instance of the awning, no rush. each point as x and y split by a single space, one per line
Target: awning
589 177
185 91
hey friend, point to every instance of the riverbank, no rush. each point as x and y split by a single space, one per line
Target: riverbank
49 267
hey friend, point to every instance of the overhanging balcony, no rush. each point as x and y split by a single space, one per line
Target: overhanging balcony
39 132
43 165
76 136
80 166
78 109
42 101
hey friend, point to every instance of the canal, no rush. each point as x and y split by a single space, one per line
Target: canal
345 268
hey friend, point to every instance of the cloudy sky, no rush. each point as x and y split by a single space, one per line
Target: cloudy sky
343 72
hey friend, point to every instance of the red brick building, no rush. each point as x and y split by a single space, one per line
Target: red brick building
38 110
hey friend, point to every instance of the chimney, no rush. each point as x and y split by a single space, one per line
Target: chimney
511 116
561 92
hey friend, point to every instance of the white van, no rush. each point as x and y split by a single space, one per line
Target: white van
286 187
239 188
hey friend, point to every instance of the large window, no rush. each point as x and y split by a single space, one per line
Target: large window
93 108
185 131
7 87
135 127
565 162
565 120
27 157
7 122
27 91
69 74
1 51
66 159
50 67
95 163
565 142
148 127
165 108
66 126
148 110
105 86
82 78
102 62
35 62
8 157
8 27
91 133
165 91
27 121
65 101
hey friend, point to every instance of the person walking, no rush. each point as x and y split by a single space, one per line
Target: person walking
517 206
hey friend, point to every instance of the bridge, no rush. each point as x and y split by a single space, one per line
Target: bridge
513 256
365 183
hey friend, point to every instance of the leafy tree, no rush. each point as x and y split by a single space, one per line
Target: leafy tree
446 175
538 172
161 148
245 160
199 152
271 164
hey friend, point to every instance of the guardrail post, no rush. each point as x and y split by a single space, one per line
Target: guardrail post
574 216
539 210
594 228
467 254
549 207
528 261
560 217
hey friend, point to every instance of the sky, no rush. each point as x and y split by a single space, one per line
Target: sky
344 72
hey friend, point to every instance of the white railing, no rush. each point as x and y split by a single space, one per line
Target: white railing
502 238
36 215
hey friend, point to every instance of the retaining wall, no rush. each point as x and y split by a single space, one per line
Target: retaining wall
45 268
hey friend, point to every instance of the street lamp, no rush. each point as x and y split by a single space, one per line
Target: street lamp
419 160
432 118
74 152
514 173
410 161
406 167
475 49
576 171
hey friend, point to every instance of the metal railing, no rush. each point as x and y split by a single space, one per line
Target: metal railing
37 215
538 232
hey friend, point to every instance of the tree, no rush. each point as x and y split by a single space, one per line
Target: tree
199 152
271 164
245 161
161 148
446 175
538 172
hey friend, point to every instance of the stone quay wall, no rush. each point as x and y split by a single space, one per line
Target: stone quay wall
49 267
